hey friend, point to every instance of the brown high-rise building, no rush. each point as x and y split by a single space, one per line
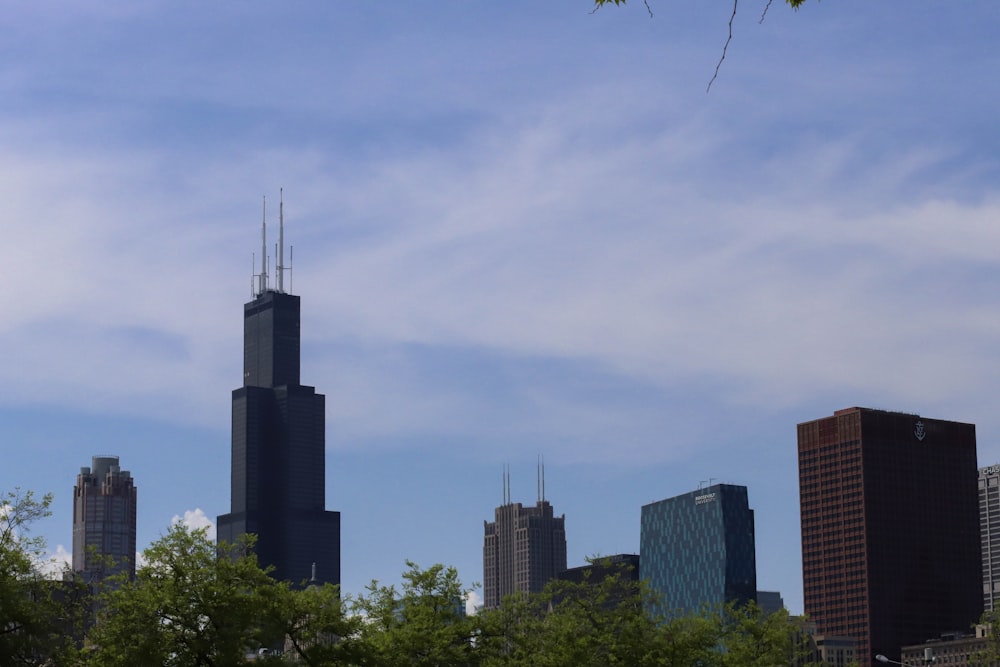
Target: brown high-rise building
890 528
523 548
103 520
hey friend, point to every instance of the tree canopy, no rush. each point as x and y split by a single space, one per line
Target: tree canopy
193 603
422 624
187 606
35 612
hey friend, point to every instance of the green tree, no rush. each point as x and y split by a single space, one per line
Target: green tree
512 635
605 620
602 621
317 627
754 639
39 617
422 625
190 604
990 652
598 622
20 623
689 639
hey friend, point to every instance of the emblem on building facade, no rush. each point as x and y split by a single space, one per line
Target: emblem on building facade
919 431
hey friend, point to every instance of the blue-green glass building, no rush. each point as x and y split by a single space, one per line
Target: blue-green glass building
697 549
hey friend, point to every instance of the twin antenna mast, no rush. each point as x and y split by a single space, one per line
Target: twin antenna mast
541 482
279 250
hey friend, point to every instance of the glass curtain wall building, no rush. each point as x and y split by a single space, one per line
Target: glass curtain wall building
698 549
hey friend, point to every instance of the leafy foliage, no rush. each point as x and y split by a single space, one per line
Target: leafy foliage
755 639
37 615
989 654
187 606
317 627
422 625
193 604
606 622
197 604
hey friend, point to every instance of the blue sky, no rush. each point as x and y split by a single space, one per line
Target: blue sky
520 229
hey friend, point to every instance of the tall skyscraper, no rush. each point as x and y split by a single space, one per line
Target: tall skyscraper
989 534
279 443
523 547
890 528
698 548
103 520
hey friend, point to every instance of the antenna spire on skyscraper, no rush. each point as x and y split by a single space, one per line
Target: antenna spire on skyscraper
278 475
280 275
506 484
524 547
263 279
538 479
262 284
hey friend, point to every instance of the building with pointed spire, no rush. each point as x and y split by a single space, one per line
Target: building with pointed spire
279 441
104 517
523 547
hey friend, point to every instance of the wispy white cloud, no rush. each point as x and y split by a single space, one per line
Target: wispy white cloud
548 240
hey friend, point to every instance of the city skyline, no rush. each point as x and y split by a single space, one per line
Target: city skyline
518 230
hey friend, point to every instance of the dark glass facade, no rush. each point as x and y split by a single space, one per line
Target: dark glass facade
698 549
890 528
279 451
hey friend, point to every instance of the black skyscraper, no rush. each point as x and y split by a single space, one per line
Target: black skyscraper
278 446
